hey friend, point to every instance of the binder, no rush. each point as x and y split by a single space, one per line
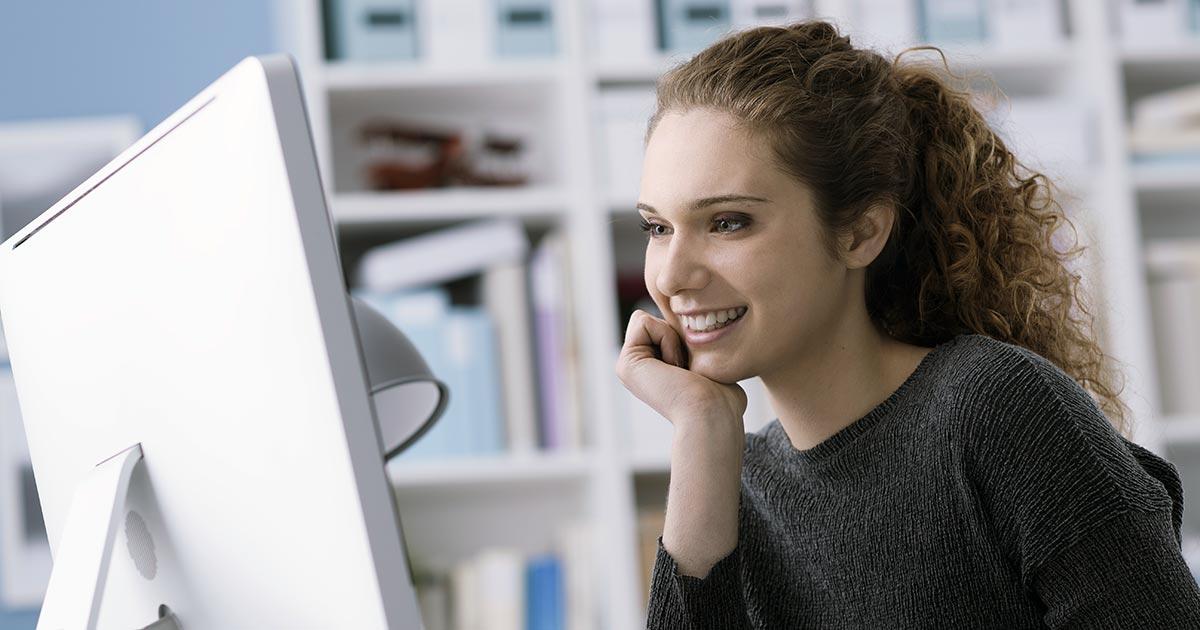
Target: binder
371 29
525 28
953 21
687 26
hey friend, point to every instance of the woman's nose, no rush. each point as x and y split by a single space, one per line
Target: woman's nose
681 268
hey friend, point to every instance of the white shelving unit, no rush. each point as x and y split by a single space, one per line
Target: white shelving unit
460 506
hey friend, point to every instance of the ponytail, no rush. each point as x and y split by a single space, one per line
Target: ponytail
979 243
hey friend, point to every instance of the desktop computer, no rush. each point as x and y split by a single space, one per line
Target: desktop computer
193 386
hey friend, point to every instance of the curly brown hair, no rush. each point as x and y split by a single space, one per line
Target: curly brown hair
972 249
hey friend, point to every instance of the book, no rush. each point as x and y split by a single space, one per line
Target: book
624 116
544 603
1177 108
575 545
505 296
1151 142
500 588
464 596
459 345
470 342
561 425
1174 287
441 256
433 597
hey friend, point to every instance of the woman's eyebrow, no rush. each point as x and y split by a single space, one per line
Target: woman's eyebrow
700 204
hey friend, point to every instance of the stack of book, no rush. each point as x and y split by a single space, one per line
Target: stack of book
1166 126
507 356
503 588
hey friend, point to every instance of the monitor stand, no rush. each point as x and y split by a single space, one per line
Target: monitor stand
85 550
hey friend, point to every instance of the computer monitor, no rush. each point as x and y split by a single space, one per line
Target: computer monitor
188 298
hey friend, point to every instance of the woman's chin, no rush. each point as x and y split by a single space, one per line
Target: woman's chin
714 368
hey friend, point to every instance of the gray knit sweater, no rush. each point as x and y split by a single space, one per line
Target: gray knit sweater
987 491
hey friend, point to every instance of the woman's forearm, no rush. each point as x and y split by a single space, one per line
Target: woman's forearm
702 501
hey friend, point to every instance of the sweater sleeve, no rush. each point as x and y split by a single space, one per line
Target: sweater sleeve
1089 521
684 602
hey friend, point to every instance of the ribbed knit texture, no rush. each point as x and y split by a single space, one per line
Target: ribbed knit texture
987 491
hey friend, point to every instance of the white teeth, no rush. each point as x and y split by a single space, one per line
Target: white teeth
713 320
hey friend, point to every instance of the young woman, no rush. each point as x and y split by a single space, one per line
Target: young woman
850 230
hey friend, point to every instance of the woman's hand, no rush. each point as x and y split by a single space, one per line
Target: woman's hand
653 366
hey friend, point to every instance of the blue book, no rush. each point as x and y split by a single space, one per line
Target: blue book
421 316
544 600
439 441
471 344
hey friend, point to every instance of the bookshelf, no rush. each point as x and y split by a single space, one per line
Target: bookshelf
1118 205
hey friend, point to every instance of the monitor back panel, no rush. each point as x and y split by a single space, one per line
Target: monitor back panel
188 298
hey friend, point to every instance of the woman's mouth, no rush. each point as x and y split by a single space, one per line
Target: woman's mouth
707 327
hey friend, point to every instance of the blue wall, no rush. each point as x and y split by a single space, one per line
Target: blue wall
86 58
66 58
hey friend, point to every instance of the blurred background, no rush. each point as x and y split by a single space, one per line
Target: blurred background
499 143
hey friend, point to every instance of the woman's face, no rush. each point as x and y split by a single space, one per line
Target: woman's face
729 230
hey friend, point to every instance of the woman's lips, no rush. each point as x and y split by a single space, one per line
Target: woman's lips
698 338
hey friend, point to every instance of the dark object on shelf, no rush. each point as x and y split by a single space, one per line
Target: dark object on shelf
406 157
498 163
410 157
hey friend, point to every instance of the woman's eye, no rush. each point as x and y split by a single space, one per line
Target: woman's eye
727 225
652 229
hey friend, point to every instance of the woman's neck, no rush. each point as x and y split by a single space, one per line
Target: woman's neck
843 377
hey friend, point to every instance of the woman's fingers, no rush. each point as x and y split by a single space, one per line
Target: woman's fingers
647 330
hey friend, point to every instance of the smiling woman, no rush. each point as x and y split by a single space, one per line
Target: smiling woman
949 450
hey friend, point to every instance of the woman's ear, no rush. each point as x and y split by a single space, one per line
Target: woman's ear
868 236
